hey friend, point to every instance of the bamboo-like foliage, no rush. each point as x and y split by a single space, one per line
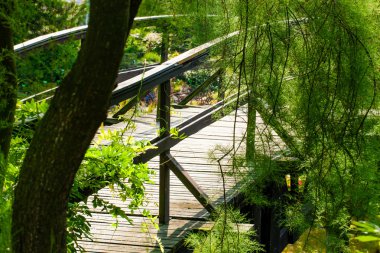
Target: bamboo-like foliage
311 69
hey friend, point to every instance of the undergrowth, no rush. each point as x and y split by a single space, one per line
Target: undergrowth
224 236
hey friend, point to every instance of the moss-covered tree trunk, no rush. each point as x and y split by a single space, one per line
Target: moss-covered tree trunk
64 134
8 85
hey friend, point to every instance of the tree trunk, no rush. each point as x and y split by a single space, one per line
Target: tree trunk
64 134
8 85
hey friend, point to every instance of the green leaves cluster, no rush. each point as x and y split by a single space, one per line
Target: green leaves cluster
368 231
112 164
30 109
108 163
196 78
45 68
143 47
40 17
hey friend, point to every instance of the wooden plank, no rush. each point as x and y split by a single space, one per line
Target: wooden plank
128 238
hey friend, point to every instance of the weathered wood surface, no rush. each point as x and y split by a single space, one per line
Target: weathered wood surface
186 212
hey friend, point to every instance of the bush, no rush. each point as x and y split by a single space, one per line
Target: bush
152 57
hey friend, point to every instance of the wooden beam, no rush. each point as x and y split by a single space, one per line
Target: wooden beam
189 127
130 73
164 56
190 184
131 103
121 77
153 78
201 87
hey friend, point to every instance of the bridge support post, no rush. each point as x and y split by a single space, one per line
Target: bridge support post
164 192
163 116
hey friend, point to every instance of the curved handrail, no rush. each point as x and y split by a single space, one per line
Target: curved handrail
80 33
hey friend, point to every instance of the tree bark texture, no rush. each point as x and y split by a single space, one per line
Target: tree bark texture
64 134
8 85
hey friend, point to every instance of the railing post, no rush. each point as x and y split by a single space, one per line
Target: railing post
163 116
164 58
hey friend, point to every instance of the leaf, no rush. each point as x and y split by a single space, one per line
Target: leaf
159 242
366 226
367 238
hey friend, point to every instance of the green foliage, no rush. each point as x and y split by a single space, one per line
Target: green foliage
367 231
40 17
112 164
191 19
143 46
27 116
196 78
224 236
5 224
266 174
77 225
318 80
152 57
108 163
45 68
16 155
174 133
30 109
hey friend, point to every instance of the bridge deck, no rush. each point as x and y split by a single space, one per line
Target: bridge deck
186 212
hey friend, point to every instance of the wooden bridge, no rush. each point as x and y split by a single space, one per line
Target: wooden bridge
194 174
188 185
